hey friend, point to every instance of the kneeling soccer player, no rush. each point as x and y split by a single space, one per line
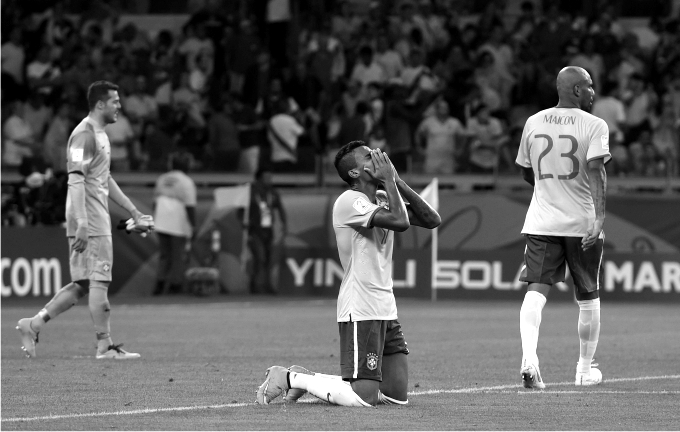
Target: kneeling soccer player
372 346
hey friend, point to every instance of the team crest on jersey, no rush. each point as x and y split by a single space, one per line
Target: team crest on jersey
605 142
361 205
372 361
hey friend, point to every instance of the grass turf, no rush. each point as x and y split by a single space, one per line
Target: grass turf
202 362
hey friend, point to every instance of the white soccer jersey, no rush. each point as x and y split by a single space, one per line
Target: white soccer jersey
558 143
366 256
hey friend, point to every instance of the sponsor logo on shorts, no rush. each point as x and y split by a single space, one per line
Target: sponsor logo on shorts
372 361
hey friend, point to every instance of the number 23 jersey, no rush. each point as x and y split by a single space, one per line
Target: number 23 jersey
558 143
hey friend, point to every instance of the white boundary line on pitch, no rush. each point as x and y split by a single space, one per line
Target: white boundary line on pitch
495 389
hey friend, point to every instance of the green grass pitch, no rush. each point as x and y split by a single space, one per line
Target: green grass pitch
203 359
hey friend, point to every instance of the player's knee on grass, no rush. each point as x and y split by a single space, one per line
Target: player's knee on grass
395 378
367 390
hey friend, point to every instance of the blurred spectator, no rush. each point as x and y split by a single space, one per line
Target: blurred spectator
666 138
275 97
257 79
140 106
590 60
175 218
494 86
223 139
401 119
326 58
345 24
122 138
278 16
241 54
390 60
159 143
13 58
195 44
439 136
283 132
188 103
18 137
41 72
610 109
640 101
251 135
37 115
57 136
645 159
367 70
487 142
351 97
357 126
265 206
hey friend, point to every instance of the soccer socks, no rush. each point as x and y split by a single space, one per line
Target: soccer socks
328 388
588 332
100 310
62 301
529 324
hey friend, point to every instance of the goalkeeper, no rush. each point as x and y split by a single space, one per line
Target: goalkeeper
88 226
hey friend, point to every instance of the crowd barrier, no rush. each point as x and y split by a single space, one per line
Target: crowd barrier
479 255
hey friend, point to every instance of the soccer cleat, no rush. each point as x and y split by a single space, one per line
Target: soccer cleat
531 377
28 337
116 353
275 384
594 377
294 394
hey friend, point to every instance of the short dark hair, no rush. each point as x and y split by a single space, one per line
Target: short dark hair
345 160
99 91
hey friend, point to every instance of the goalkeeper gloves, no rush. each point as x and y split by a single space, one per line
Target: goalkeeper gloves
141 226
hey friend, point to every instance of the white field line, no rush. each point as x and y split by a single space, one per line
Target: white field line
494 389
518 386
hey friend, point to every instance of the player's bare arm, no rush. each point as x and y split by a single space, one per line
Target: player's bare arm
597 180
396 218
420 212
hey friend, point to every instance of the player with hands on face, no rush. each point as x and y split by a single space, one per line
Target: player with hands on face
373 350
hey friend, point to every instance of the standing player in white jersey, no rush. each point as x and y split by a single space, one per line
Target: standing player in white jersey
562 154
88 225
372 346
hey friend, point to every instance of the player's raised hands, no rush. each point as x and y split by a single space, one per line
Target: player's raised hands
383 170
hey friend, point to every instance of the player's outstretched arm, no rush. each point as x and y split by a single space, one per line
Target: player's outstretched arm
396 217
597 180
420 212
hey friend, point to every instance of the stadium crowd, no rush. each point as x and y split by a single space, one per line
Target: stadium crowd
444 86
